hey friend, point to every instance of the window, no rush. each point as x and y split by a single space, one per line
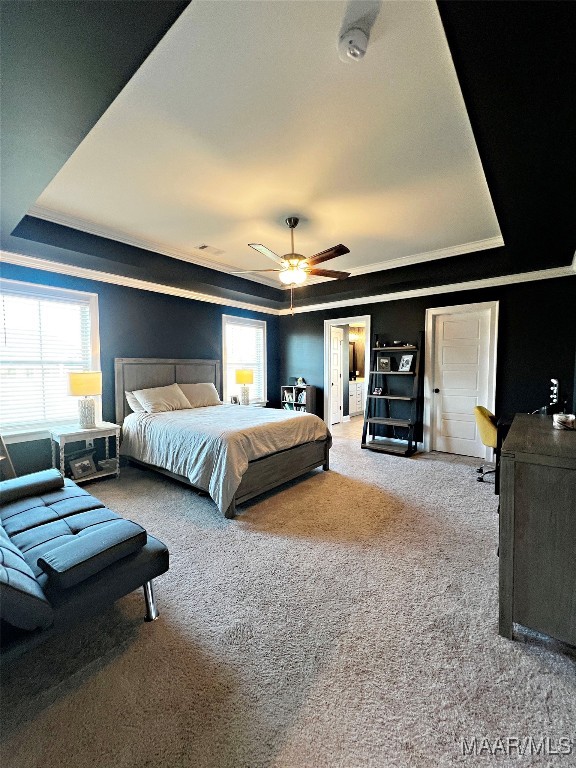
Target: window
244 347
44 333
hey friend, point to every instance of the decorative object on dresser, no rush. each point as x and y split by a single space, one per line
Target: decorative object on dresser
538 529
85 385
245 377
393 414
564 421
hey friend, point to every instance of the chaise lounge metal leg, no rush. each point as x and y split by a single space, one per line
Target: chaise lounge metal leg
151 610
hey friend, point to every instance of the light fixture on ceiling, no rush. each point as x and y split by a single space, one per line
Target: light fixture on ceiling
352 45
294 267
293 274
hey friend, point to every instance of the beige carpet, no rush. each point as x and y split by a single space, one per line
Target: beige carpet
348 621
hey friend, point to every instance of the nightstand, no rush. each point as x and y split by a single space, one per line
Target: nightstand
73 434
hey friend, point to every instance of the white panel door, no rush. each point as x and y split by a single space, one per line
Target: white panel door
461 364
336 342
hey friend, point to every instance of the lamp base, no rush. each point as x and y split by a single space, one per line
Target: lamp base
244 395
87 413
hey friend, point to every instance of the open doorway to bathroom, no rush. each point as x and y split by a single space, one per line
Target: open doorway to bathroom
345 389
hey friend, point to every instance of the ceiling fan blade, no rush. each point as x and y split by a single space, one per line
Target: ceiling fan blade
329 253
266 252
328 273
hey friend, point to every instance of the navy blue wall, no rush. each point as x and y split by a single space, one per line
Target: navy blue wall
536 338
135 323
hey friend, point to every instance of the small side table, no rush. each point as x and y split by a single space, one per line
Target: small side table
74 433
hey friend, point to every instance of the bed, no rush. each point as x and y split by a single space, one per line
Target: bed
232 452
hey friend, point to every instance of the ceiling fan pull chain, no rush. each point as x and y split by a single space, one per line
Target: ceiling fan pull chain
291 299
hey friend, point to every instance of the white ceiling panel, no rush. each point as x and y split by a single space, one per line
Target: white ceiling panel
244 114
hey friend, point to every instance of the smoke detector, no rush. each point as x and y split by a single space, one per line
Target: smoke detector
352 45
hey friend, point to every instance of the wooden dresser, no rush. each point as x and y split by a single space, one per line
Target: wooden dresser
538 529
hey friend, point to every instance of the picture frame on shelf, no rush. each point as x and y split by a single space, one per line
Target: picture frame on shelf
384 365
81 466
377 391
405 363
235 400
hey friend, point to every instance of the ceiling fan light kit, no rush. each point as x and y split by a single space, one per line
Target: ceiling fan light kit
294 267
293 275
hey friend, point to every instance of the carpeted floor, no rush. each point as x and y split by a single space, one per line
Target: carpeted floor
348 621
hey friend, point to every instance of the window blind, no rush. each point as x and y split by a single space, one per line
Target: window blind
244 347
44 334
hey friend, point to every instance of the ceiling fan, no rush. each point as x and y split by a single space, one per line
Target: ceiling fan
294 267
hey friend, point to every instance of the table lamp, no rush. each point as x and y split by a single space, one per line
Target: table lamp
85 384
244 377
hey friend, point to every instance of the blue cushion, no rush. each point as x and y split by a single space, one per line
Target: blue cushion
90 551
30 485
22 601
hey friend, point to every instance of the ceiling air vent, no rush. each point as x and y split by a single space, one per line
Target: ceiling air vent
209 250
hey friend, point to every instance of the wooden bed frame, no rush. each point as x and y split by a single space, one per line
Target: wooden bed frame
262 474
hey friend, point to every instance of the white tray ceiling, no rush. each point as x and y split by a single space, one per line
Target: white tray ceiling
244 114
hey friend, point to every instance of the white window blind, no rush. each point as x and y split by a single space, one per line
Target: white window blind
44 334
244 347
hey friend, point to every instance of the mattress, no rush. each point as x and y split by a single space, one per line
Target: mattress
212 446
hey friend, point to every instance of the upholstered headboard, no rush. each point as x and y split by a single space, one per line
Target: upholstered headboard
143 372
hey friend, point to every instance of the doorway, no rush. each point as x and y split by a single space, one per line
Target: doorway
460 373
336 381
334 400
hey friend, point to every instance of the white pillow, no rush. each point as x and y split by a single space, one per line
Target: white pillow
159 399
133 402
199 395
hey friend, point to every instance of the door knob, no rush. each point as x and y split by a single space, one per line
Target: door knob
436 390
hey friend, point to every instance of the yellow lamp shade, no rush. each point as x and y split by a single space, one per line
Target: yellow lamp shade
85 383
244 377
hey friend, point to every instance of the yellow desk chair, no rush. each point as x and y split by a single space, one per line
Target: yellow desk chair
486 423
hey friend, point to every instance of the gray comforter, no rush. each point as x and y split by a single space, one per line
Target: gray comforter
212 446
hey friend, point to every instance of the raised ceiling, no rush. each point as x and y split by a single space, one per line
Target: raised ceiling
244 114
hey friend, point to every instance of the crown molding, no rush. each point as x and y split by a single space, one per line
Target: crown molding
439 253
32 262
471 285
91 228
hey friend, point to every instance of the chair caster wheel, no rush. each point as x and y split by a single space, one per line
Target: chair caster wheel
480 479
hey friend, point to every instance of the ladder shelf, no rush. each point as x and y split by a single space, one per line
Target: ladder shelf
394 405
